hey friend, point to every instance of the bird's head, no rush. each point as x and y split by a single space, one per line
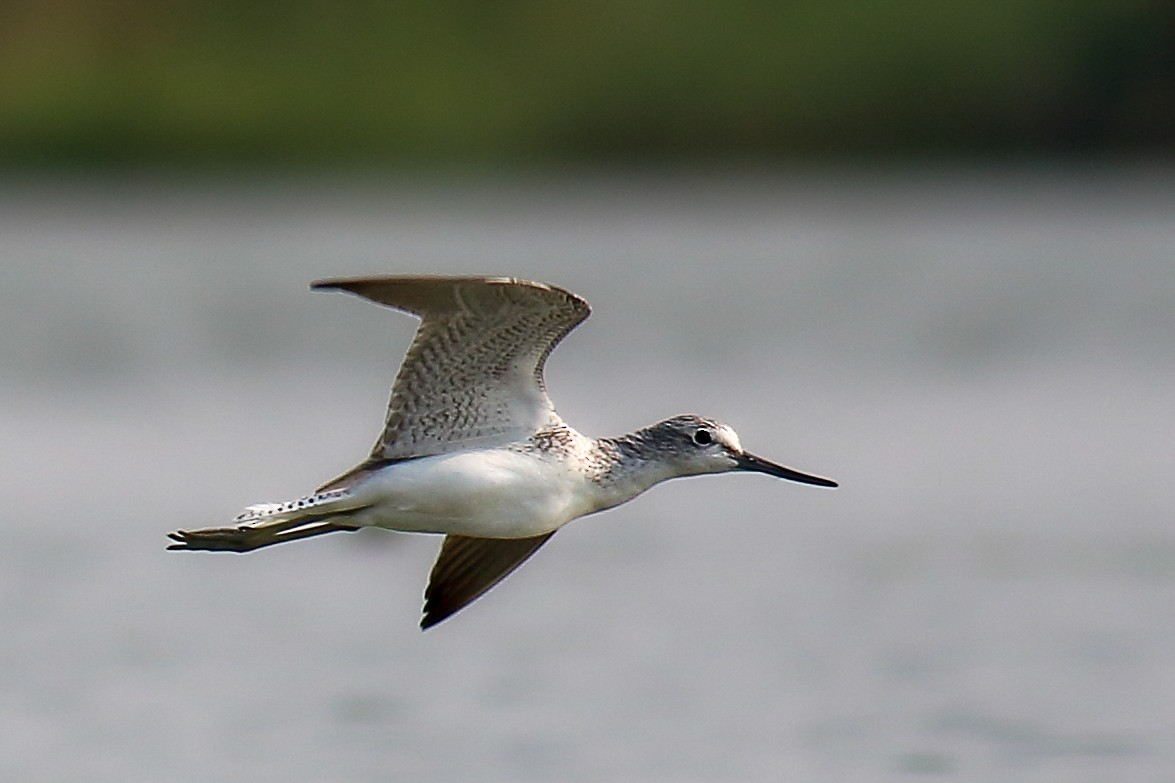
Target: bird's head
695 445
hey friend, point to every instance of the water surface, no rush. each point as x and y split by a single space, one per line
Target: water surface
984 362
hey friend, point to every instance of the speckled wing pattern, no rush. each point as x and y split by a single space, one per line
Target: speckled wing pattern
473 376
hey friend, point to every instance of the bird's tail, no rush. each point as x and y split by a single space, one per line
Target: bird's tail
264 524
332 501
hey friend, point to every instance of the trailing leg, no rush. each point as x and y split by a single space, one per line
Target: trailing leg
244 538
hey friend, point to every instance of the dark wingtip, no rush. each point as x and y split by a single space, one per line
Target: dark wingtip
433 615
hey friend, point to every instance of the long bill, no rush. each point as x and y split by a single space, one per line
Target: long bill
750 462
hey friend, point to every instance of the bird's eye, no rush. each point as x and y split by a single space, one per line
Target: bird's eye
703 438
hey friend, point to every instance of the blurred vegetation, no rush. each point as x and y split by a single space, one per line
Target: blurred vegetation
381 83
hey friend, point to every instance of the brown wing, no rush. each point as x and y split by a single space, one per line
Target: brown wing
467 567
473 376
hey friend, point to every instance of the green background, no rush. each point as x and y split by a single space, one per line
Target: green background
364 84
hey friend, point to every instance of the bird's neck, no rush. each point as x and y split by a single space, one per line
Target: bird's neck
626 466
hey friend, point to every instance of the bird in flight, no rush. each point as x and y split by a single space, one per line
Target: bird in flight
472 447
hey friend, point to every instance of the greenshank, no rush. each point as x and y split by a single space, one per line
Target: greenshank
472 447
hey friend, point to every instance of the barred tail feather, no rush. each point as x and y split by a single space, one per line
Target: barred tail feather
265 524
331 501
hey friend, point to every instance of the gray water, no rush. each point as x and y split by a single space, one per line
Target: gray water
985 363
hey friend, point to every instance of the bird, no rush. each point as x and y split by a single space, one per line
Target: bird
472 447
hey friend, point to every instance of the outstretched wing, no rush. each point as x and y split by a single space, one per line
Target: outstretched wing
473 376
467 567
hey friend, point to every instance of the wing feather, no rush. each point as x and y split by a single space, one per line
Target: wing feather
467 567
473 376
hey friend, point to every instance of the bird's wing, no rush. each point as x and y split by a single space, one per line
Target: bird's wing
467 567
473 376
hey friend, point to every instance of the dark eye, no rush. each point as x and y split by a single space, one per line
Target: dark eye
703 438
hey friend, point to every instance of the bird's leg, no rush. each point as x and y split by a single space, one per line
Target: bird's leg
247 537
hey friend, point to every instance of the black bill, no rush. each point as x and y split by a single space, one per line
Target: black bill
759 465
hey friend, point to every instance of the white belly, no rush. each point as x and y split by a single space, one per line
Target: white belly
492 493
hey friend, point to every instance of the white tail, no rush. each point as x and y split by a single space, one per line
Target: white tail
331 501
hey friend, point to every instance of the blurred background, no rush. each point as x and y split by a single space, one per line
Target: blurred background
925 249
368 84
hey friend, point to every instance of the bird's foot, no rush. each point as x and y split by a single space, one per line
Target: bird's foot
238 538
